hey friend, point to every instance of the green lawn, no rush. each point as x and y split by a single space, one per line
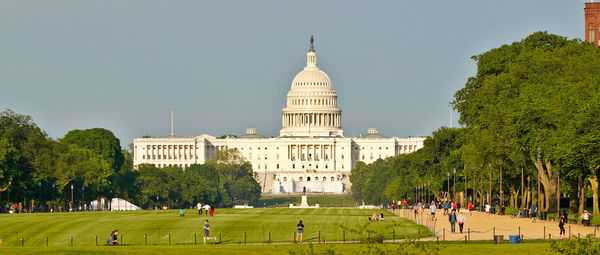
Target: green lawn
230 223
450 249
324 201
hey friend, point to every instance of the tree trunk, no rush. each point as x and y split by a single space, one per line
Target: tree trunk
548 180
594 184
582 196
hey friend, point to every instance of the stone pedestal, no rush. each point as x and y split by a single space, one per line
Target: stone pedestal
304 202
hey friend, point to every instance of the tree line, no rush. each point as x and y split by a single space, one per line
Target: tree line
530 117
39 172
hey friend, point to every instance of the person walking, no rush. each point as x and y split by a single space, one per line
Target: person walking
471 207
206 228
452 219
446 206
432 208
206 209
487 209
561 225
199 207
461 221
300 234
533 212
212 210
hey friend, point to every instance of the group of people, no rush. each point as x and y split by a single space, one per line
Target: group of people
207 209
375 218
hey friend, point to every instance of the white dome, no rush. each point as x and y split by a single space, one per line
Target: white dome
312 78
311 108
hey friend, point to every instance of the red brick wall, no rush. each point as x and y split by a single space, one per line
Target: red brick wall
592 19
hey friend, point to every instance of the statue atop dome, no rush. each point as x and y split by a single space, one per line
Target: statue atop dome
312 41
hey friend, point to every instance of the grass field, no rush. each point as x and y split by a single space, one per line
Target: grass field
448 248
324 201
162 226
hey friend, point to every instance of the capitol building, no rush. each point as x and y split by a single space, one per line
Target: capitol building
310 153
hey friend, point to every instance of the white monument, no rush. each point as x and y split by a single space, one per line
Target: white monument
304 204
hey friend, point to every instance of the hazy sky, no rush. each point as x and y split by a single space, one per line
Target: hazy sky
224 66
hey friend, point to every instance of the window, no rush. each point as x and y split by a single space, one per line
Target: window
308 179
317 178
277 166
592 35
332 179
300 179
143 156
158 156
285 179
342 156
293 166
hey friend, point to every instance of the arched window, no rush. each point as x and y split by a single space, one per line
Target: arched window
316 178
299 178
324 178
592 35
332 179
284 179
308 179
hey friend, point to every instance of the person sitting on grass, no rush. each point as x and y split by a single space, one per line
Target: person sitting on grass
381 217
114 239
182 212
374 217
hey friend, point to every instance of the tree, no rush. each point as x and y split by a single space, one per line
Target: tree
103 142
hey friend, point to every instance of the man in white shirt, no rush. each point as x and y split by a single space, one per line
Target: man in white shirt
206 209
199 207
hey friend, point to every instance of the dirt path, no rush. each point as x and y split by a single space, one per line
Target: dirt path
480 226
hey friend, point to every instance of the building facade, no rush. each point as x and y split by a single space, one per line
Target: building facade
310 153
592 22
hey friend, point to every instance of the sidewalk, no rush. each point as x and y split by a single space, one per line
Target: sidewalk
480 226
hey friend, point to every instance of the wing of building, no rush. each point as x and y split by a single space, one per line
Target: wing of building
311 152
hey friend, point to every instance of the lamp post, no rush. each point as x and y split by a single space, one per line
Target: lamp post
454 185
82 191
40 192
539 189
71 205
501 192
53 185
448 173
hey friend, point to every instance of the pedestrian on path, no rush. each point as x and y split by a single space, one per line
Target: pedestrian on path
461 221
452 219
487 209
585 218
533 213
446 206
432 208
199 207
561 225
471 207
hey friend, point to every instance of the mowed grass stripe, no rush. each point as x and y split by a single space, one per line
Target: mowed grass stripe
231 223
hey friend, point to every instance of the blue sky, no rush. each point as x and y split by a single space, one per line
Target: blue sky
224 66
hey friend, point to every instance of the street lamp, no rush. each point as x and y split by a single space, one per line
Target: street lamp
40 189
71 205
53 185
539 157
82 191
454 185
448 173
501 191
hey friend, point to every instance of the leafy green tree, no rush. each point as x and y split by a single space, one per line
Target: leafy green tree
103 142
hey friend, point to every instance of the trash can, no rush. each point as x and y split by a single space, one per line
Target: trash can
514 239
498 239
